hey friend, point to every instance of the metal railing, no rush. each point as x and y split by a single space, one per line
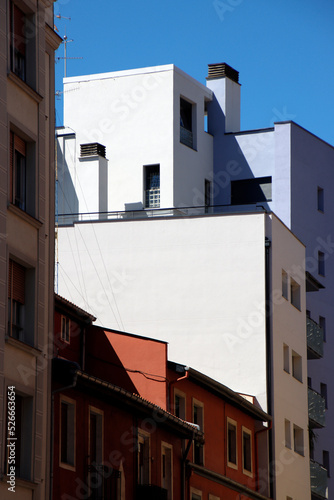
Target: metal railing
315 339
316 408
186 137
318 479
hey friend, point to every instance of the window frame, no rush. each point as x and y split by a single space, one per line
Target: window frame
295 293
149 191
285 284
167 446
65 336
183 398
145 439
188 124
69 402
297 366
198 449
248 432
287 434
320 199
298 440
232 465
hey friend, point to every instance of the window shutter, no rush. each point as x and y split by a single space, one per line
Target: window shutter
16 282
18 30
19 145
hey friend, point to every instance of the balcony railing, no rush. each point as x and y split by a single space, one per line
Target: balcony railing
151 492
318 480
186 137
316 409
315 339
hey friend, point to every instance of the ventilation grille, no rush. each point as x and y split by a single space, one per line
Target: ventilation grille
92 149
222 70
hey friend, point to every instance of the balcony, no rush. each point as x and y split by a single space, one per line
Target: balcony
318 481
151 492
315 340
186 137
316 409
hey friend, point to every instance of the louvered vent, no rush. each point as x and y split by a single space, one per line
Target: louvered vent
221 70
92 149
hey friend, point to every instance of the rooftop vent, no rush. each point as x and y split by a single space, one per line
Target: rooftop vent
221 70
92 149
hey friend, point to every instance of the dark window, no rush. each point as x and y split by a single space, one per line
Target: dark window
323 392
17 41
152 186
320 199
186 123
321 263
65 329
231 443
207 194
247 451
325 462
322 324
16 299
22 174
67 435
248 191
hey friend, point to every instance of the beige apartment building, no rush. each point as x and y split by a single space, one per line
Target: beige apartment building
27 46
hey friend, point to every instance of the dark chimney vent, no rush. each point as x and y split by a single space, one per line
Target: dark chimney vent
92 149
221 70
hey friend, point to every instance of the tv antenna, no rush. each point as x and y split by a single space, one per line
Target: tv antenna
65 42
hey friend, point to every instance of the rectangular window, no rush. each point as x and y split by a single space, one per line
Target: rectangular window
17 41
251 191
325 462
67 432
187 119
143 458
321 263
320 199
152 186
97 479
65 329
167 469
287 431
23 435
207 195
22 174
297 369
298 440
285 284
247 452
195 494
286 358
322 324
179 404
232 456
21 304
295 293
198 419
323 392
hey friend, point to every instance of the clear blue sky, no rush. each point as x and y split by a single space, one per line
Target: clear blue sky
283 49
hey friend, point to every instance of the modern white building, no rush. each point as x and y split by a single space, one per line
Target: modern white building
166 229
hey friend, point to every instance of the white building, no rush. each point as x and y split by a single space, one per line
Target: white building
160 260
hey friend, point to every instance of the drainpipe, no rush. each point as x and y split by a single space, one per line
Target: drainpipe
269 362
183 468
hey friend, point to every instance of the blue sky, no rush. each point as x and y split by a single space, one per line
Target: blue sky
283 50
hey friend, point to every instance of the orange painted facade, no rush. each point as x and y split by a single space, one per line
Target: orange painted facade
123 421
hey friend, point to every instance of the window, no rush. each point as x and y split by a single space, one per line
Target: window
207 195
195 494
287 431
298 440
167 469
322 324
23 435
295 293
249 191
22 45
285 284
320 199
232 458
321 263
187 125
179 404
65 329
20 303
247 452
323 392
297 370
96 470
152 186
286 358
22 174
198 419
325 462
143 458
67 432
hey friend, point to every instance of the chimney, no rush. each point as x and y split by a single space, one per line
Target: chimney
224 111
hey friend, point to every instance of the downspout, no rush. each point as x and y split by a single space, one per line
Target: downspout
257 454
183 468
269 362
74 383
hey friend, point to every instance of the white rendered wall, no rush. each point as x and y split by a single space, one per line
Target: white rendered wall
186 281
136 115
